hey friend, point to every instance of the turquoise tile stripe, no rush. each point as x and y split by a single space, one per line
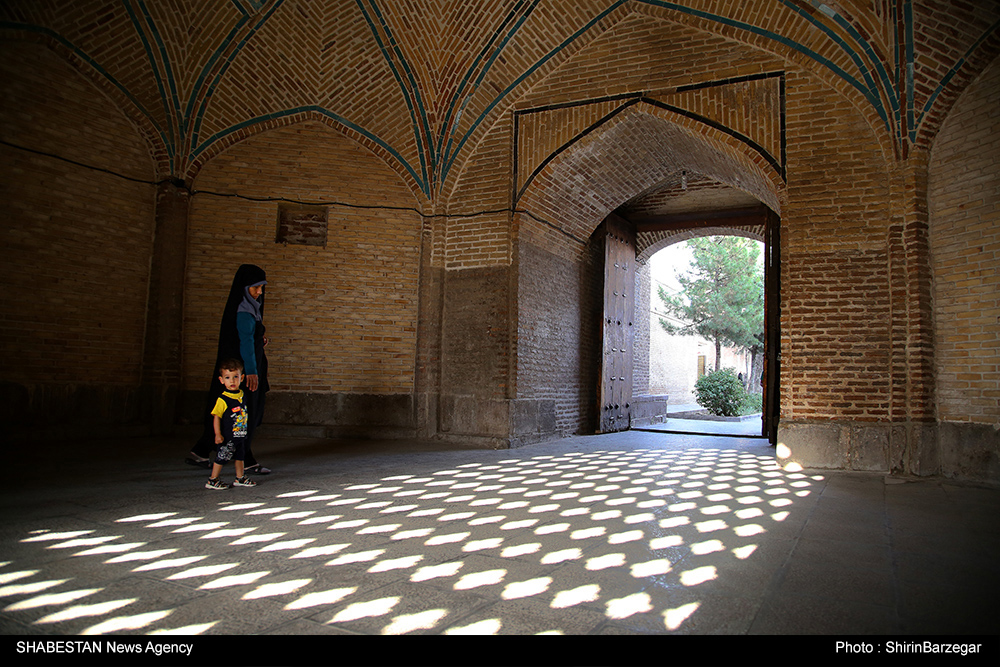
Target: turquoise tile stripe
218 136
479 79
872 90
447 122
994 29
199 83
154 66
908 26
897 61
218 76
450 157
255 4
825 62
165 57
889 96
410 94
51 34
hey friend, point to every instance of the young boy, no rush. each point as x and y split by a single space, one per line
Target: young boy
230 417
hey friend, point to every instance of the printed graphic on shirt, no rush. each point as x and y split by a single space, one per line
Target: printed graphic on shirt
239 422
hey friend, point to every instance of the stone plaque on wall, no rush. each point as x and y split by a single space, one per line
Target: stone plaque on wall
302 224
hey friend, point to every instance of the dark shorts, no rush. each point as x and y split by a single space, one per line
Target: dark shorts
230 450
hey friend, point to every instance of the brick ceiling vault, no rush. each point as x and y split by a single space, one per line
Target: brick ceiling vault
633 152
749 109
420 83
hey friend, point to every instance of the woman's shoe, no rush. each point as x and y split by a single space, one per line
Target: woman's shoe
197 461
256 469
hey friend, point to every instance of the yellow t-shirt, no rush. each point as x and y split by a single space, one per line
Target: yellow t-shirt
232 414
220 405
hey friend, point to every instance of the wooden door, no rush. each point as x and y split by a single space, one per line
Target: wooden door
772 327
615 393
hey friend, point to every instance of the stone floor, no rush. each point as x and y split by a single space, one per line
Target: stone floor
749 427
625 534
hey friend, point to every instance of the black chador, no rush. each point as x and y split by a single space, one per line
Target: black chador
241 336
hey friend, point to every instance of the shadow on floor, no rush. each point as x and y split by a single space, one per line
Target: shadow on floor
621 534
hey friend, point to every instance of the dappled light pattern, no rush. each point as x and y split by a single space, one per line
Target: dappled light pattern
638 537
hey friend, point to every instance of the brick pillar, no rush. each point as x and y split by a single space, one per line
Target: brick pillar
914 449
161 361
920 316
427 383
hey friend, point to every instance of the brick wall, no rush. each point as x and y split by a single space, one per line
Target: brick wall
641 336
964 200
483 238
341 317
558 335
575 112
75 241
835 286
608 158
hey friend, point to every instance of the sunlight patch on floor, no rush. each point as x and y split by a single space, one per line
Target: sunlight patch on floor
319 598
360 610
122 623
524 589
575 596
696 504
638 603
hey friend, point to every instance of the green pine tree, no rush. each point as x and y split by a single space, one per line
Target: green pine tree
722 296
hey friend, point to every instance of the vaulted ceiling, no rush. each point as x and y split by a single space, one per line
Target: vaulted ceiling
420 82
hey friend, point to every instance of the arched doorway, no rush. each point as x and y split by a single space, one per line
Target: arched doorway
632 234
578 191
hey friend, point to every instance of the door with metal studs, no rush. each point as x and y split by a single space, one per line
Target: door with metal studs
615 393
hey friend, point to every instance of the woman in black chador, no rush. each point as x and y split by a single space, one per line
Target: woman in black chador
241 336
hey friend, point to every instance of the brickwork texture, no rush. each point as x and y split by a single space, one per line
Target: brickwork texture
422 182
965 247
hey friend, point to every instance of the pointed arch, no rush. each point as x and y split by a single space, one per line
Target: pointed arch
650 243
236 134
633 149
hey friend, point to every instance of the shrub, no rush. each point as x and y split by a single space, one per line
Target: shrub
753 404
720 392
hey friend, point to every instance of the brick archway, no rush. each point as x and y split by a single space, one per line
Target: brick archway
636 149
632 151
650 243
